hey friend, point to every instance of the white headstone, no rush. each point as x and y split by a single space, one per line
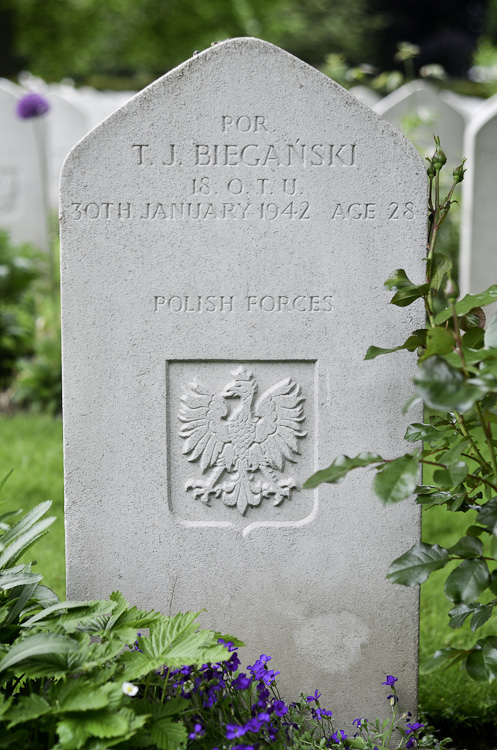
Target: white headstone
226 236
419 111
66 125
21 198
478 259
365 95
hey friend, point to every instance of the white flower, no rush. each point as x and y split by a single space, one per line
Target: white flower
130 689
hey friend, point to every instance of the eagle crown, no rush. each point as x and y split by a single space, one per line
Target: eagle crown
243 387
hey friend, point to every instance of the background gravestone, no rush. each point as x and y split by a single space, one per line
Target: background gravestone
478 259
21 200
226 236
419 111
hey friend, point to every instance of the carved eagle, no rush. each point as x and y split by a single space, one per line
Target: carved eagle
248 437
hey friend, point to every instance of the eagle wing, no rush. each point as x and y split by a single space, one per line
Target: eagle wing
280 415
204 428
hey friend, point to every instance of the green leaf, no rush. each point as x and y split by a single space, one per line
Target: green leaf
440 265
27 708
481 664
490 338
27 521
414 566
416 340
451 476
40 644
443 387
444 656
483 612
396 480
2 482
14 577
75 696
467 303
467 546
407 296
467 581
22 542
438 341
474 531
458 615
487 515
473 338
89 609
398 280
339 468
100 724
168 735
420 431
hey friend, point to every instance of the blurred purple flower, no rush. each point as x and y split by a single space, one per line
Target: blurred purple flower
339 735
390 681
312 698
32 105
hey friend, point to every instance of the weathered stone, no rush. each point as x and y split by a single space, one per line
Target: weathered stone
226 236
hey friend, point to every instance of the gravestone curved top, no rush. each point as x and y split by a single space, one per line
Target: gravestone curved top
225 239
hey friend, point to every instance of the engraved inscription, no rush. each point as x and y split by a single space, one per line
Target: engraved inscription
248 440
221 303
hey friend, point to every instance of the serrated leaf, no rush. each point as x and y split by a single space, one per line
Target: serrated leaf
481 664
21 543
397 480
414 566
458 615
467 581
443 387
444 656
168 735
32 646
467 546
27 521
339 468
75 697
10 578
438 341
419 431
467 303
171 707
27 708
84 609
416 340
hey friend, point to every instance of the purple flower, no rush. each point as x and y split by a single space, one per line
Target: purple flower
198 731
32 105
227 644
242 682
393 699
411 742
413 727
335 736
279 708
319 713
233 731
315 697
358 722
390 681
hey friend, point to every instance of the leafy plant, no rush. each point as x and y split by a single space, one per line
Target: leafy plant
457 382
69 681
19 268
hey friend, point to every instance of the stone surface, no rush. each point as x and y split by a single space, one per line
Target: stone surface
478 259
226 236
21 200
419 111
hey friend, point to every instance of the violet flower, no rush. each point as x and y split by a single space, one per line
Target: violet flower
32 105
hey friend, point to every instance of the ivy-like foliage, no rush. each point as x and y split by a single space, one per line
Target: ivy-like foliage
457 381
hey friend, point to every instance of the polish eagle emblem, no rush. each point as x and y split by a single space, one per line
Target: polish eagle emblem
245 438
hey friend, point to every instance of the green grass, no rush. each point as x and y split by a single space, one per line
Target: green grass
32 446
